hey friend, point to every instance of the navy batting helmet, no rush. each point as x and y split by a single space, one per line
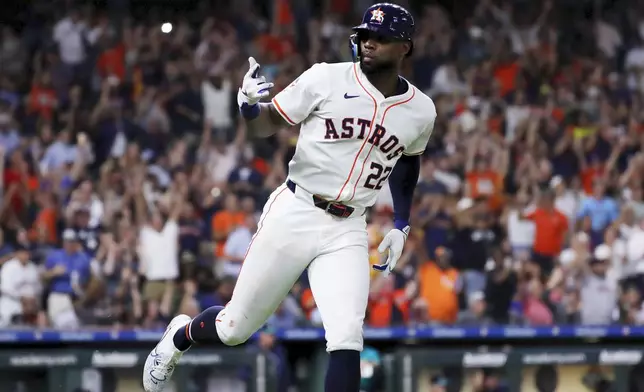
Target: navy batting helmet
388 20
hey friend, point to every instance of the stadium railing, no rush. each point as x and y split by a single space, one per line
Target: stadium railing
409 354
306 334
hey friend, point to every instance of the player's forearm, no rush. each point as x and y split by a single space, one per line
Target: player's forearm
402 182
264 123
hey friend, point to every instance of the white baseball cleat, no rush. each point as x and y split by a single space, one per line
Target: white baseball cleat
162 360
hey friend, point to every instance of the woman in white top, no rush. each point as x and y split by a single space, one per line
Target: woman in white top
520 232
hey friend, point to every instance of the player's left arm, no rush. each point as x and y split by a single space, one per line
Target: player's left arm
404 177
402 183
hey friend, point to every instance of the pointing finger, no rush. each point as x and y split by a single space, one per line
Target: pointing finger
253 69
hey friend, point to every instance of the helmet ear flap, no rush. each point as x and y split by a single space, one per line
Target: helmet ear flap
354 43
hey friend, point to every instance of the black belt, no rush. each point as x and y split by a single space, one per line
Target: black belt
336 209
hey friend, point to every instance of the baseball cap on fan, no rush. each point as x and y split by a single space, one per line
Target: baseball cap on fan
70 235
556 181
603 252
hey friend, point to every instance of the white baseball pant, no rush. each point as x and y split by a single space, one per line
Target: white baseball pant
292 235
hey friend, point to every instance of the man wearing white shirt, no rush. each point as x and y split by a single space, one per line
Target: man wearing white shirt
217 93
159 256
20 288
236 247
71 34
566 200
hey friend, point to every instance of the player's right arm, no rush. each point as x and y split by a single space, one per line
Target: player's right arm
290 107
267 122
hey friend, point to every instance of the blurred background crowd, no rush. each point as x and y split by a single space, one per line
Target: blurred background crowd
130 190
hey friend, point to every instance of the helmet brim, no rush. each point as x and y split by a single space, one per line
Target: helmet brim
364 26
379 30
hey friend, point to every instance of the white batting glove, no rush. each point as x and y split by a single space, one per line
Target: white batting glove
254 87
394 241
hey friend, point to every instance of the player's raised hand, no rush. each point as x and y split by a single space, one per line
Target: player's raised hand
394 242
254 87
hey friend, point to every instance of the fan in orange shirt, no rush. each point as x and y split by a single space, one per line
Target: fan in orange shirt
225 221
387 304
551 227
20 180
44 227
439 287
112 61
590 173
506 76
484 175
42 97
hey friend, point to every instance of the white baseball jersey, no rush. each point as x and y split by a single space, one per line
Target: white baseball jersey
351 135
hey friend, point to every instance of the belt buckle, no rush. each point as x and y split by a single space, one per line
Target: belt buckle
341 210
336 209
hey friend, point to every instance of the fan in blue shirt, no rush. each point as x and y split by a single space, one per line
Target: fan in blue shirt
68 269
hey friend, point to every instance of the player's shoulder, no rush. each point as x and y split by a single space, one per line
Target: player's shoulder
330 68
339 67
318 76
424 102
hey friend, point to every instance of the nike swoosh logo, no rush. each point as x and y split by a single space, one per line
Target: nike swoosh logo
154 352
157 378
347 96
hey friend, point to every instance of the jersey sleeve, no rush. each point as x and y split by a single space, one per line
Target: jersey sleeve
418 146
300 98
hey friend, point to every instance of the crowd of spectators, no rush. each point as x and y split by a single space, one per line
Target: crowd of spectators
130 190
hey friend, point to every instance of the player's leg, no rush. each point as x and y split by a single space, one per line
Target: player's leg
279 252
340 285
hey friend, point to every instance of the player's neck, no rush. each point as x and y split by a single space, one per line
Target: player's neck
385 82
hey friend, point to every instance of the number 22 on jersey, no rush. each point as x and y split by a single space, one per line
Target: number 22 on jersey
377 177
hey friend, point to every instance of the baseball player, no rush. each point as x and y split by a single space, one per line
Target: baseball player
360 125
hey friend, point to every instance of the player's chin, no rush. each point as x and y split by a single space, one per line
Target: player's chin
367 65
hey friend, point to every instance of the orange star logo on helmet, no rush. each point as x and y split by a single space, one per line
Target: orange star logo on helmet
377 16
